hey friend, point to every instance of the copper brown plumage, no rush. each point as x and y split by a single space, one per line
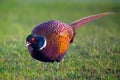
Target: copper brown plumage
57 35
49 41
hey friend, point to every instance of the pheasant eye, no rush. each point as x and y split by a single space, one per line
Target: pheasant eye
32 40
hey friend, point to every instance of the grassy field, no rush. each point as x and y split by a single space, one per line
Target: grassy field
94 55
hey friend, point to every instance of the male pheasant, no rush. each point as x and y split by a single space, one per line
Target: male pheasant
49 41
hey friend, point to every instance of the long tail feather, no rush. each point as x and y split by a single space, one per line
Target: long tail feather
88 19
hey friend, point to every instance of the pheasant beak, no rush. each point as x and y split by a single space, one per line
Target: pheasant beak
27 44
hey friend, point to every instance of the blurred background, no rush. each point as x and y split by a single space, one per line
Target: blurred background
95 53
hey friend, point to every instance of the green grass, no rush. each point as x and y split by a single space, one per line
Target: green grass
94 55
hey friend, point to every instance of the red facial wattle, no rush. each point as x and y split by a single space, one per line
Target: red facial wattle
32 40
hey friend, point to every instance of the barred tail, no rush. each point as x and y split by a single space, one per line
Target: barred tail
80 22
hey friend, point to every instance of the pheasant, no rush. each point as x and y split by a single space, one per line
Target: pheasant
49 41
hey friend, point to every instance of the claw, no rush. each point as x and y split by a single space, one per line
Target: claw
45 66
57 65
